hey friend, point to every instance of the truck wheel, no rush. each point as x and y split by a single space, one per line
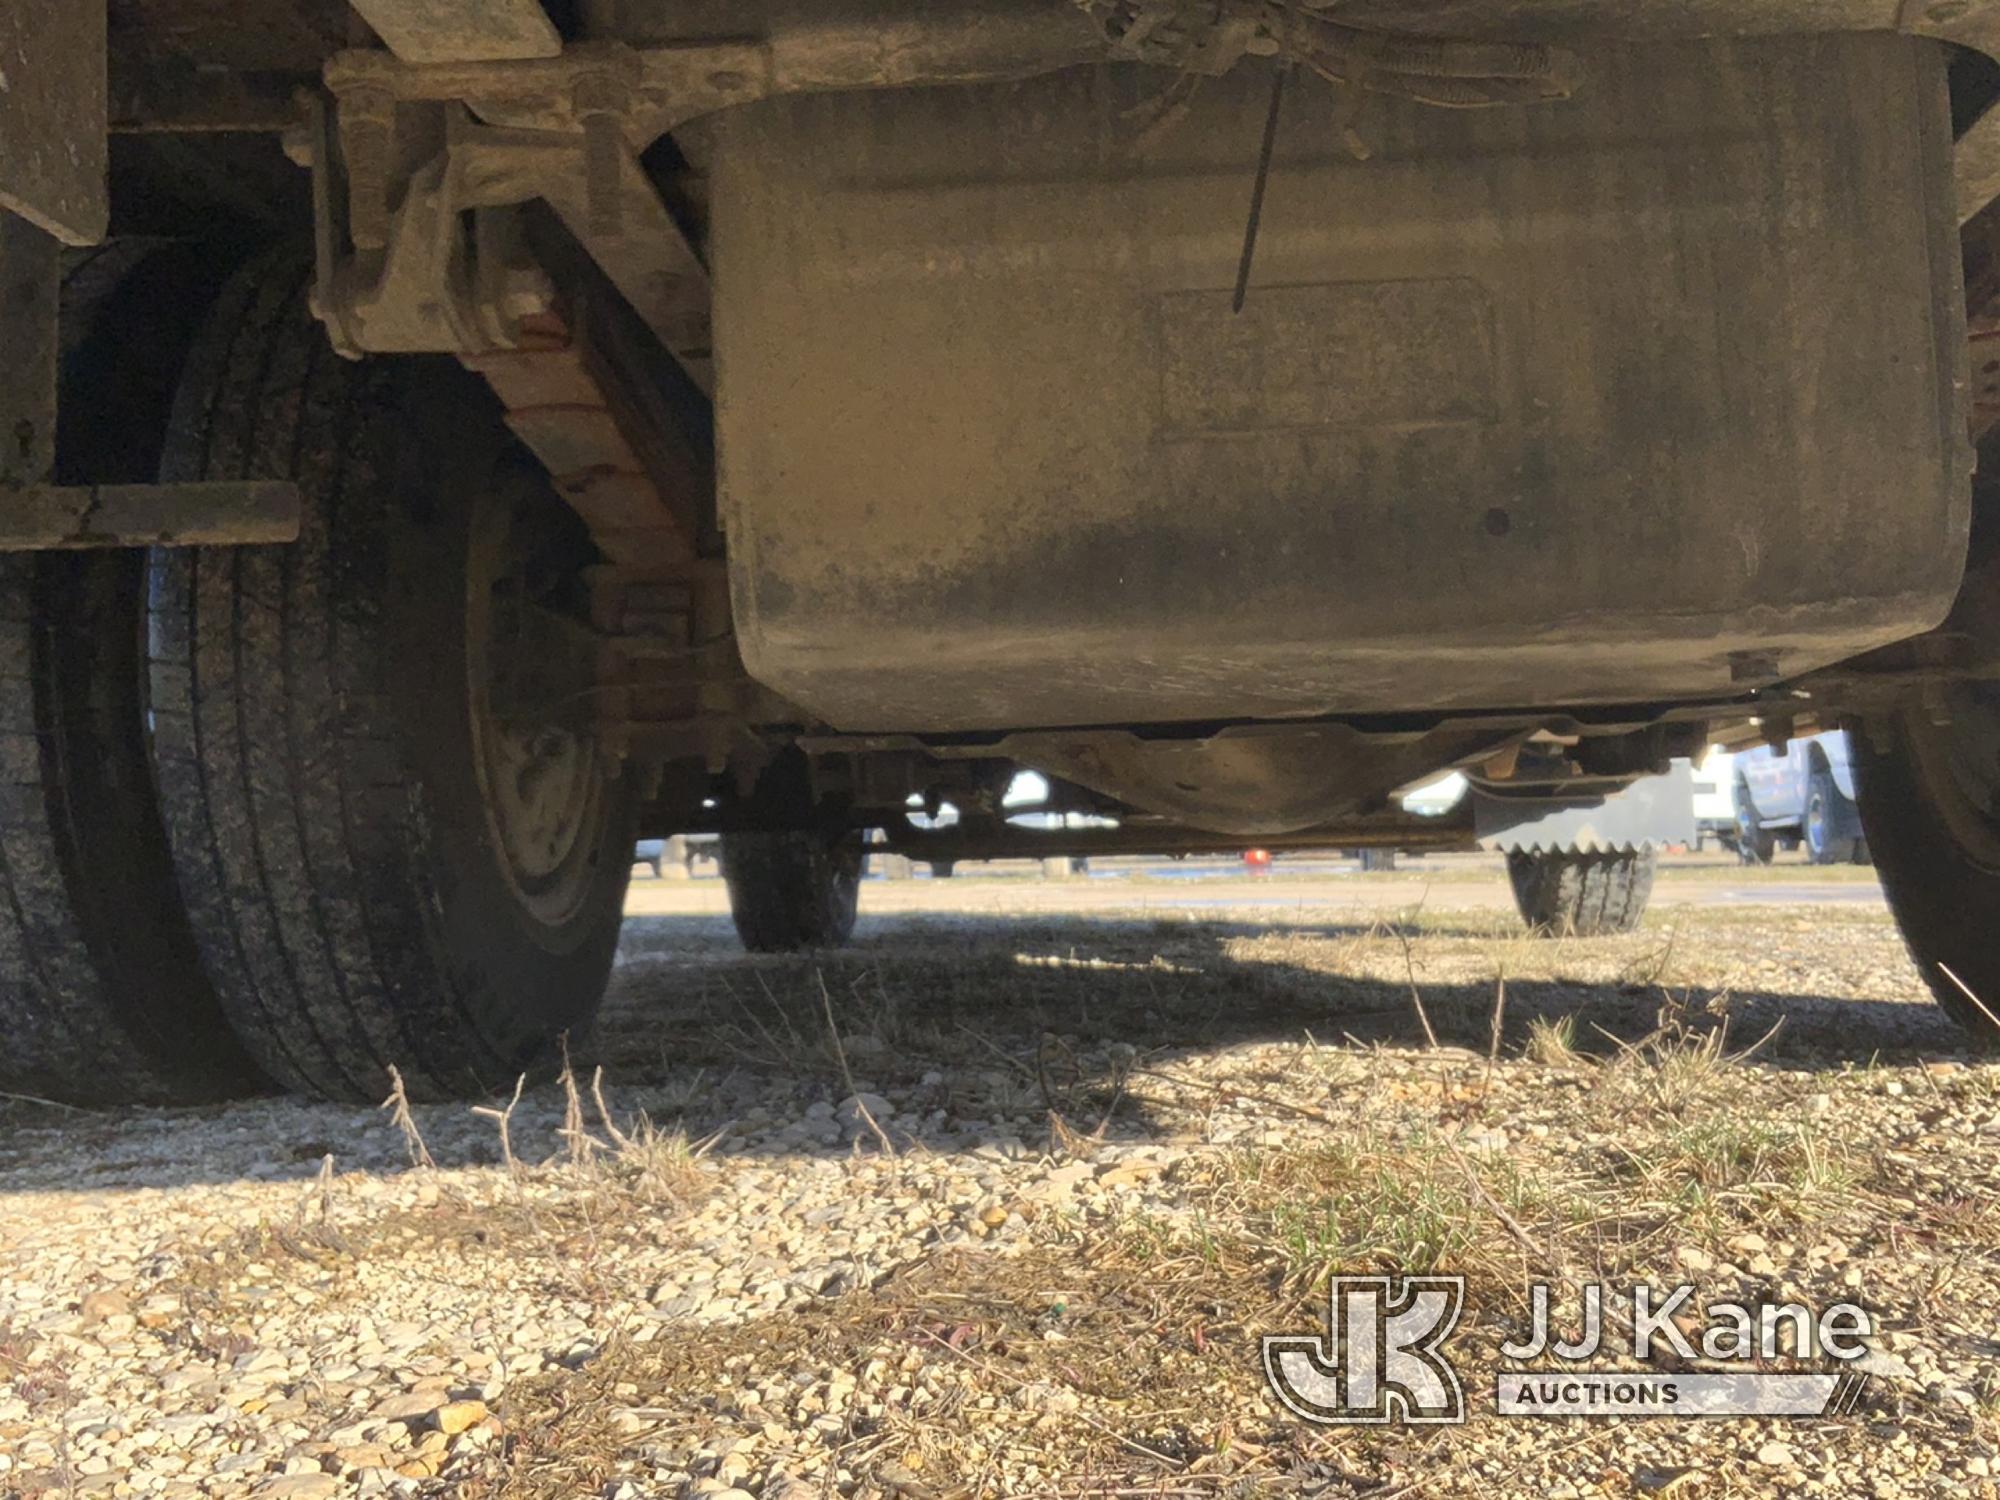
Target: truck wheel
1755 845
102 998
1930 810
793 891
1581 892
1827 812
391 851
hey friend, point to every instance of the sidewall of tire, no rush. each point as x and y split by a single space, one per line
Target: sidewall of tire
107 830
1945 898
525 981
103 998
1833 846
314 744
1755 844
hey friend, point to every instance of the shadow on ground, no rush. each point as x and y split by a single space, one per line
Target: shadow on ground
1043 1010
687 996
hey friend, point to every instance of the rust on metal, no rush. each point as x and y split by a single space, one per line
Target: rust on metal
556 407
53 113
202 513
442 31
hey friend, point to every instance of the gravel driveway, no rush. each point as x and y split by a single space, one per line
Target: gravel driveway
1000 1204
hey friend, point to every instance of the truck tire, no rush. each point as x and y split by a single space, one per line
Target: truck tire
1755 844
384 863
1826 813
1930 812
789 892
1581 892
102 997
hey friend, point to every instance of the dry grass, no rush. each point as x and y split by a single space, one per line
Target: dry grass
1117 1352
1000 1362
1626 1113
565 1219
1552 1041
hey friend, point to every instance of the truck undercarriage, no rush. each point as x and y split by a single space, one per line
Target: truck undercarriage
483 432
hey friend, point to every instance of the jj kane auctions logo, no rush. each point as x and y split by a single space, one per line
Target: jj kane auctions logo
1383 1359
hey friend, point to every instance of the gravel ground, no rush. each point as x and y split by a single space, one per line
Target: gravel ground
1000 1205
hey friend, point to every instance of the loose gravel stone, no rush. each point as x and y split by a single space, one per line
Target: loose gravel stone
191 1306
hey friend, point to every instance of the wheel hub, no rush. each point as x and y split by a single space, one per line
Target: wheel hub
542 779
542 782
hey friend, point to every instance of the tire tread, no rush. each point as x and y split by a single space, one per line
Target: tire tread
1582 892
793 891
102 997
301 821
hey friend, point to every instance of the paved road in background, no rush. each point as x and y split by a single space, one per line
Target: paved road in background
1458 882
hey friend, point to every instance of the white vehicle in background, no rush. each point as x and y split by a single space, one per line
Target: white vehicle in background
1715 799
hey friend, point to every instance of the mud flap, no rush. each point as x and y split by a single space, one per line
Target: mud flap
1653 812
